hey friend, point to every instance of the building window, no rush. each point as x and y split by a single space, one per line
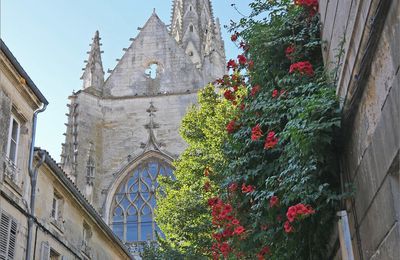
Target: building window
56 207
54 255
132 212
8 234
152 71
13 138
86 237
191 28
90 171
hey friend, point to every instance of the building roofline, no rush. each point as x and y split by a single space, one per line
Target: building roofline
22 72
81 199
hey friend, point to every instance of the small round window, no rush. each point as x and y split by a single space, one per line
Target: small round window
152 71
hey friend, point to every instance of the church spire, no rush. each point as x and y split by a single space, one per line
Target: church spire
93 75
194 28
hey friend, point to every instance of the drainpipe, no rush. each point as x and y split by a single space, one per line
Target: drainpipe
33 177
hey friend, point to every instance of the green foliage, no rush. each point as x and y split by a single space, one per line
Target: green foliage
182 213
302 167
299 166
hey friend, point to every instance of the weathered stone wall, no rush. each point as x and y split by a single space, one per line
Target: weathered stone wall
175 71
368 85
111 120
117 129
5 110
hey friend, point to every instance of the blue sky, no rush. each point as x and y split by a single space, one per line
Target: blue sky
50 39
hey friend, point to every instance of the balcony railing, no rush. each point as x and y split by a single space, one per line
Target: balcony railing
10 169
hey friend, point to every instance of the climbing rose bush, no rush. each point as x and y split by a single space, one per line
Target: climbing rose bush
280 189
259 179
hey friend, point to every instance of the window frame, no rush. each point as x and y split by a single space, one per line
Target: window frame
123 223
10 134
56 204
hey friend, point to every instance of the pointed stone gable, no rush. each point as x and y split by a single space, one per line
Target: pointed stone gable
153 64
93 75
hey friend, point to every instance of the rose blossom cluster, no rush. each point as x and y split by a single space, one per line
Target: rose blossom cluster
312 5
303 67
256 133
309 3
298 211
276 93
223 218
271 141
290 50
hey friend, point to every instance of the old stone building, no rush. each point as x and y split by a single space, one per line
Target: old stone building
123 131
43 215
362 40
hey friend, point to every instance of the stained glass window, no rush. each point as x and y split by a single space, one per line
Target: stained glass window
132 212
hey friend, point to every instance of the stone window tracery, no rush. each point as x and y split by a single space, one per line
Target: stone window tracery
133 205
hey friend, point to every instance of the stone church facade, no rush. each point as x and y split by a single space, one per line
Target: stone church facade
123 131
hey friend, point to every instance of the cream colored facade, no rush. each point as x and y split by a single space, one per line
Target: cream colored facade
18 101
77 231
64 224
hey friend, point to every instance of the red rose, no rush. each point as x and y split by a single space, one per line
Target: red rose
231 127
239 230
244 46
302 67
229 95
227 233
235 222
233 187
289 51
225 249
256 132
275 93
217 236
213 201
242 60
271 140
288 228
248 188
255 90
273 201
231 64
234 36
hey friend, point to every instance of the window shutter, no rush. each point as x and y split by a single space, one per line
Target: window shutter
12 241
8 233
4 224
45 251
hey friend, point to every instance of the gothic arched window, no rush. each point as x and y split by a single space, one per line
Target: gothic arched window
132 210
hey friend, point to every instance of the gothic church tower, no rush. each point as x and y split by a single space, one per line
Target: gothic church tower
122 132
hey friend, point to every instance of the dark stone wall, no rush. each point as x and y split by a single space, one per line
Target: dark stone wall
371 141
